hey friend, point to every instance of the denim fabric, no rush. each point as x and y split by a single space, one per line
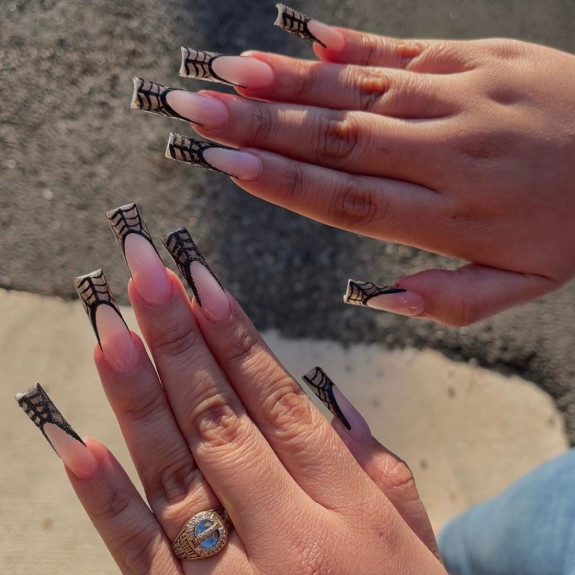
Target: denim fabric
527 530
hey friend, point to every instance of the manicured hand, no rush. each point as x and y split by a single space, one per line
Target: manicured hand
212 420
459 148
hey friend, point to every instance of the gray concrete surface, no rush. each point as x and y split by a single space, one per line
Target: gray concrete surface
466 432
71 149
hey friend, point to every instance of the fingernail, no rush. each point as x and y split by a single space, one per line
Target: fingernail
394 300
173 103
207 289
111 331
305 27
235 163
143 261
337 403
233 70
60 435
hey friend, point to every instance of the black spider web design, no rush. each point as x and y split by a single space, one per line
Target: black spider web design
41 410
188 150
322 386
184 251
127 220
359 292
94 291
200 65
152 97
296 23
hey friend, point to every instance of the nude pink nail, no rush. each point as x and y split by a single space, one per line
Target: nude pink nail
66 442
235 163
385 298
146 267
233 70
173 103
111 331
206 288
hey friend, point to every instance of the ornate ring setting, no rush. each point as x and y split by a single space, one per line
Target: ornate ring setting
204 535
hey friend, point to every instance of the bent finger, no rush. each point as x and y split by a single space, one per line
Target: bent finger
456 298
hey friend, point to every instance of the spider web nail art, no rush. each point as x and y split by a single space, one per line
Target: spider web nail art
94 291
188 150
41 410
322 386
152 97
127 220
200 65
184 251
296 23
359 293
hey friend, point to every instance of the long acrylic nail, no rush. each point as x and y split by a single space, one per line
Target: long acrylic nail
109 326
394 300
142 258
337 403
235 163
60 435
240 71
305 27
173 103
204 284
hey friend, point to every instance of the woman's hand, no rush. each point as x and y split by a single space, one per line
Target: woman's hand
215 420
460 148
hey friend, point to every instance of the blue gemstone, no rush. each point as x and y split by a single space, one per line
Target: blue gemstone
210 541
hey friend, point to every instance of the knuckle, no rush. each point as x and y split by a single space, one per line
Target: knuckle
354 204
173 483
142 406
400 477
140 550
288 410
262 123
181 338
337 139
372 87
217 424
113 504
242 346
505 48
303 80
370 47
296 181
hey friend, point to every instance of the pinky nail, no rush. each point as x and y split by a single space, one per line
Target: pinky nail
240 71
64 440
205 286
143 261
235 163
307 28
111 330
385 298
329 394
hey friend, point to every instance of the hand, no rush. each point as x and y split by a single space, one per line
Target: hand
215 421
460 148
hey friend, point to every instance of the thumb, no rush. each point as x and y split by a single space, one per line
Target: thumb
456 298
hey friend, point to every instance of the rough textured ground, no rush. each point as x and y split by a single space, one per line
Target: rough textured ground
71 149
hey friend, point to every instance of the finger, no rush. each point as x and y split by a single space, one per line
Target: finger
416 55
233 456
380 208
127 526
456 298
351 141
386 91
162 457
394 478
300 437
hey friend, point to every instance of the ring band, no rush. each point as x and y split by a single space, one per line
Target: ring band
204 535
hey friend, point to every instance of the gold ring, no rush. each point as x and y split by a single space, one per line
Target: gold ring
204 535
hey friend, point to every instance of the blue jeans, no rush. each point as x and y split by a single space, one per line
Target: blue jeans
527 530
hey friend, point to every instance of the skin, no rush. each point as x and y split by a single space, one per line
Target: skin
460 148
234 427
